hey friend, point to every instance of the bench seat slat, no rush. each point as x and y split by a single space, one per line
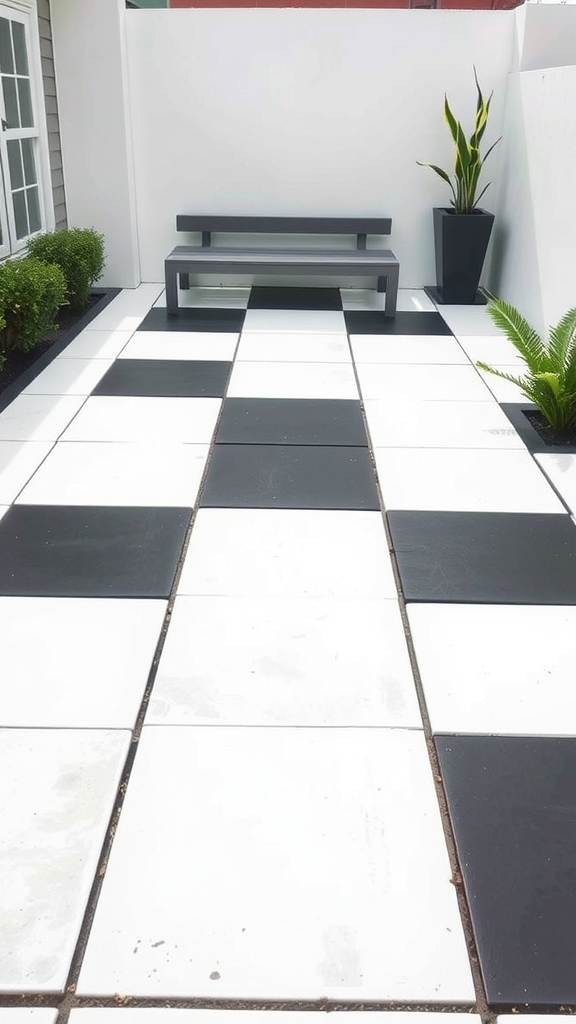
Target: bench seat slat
288 257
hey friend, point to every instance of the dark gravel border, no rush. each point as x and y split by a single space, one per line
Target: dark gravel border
21 368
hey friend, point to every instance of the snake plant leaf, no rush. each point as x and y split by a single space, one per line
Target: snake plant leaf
451 120
482 193
468 161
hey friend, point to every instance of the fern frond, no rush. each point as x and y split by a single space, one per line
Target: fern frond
562 342
524 338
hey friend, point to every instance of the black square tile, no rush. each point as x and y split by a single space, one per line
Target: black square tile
165 378
87 551
273 476
194 319
262 297
512 801
290 421
485 557
374 322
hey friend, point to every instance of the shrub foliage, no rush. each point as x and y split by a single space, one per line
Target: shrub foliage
79 252
31 292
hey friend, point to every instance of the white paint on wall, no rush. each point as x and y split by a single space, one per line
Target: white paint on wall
549 102
294 111
549 36
514 272
534 256
91 77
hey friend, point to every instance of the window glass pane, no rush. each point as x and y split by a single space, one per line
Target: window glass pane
10 102
20 214
29 161
20 55
15 164
26 118
6 60
33 209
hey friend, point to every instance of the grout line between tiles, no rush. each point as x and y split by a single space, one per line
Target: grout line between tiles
92 902
488 1017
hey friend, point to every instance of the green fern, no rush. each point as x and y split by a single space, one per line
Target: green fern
550 378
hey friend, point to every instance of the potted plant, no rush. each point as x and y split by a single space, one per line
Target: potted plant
550 378
462 231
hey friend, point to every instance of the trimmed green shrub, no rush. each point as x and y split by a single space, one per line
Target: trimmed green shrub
79 252
31 292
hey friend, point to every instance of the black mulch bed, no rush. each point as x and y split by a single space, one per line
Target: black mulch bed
21 368
567 439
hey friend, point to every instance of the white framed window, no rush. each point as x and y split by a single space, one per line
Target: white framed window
23 145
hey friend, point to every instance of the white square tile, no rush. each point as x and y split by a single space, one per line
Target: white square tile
160 1015
497 669
110 418
309 321
314 861
69 377
27 1015
181 345
293 380
300 347
492 350
18 461
394 424
422 383
473 320
97 344
399 348
286 661
211 298
38 417
412 300
554 1018
127 310
503 390
100 473
287 553
452 480
87 666
58 789
561 470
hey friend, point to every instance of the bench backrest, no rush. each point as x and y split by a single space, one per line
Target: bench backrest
359 226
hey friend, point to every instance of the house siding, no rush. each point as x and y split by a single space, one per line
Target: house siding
51 103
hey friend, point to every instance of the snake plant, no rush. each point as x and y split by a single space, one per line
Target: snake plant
468 164
550 378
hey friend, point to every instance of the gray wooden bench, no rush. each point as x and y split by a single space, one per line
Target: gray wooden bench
208 259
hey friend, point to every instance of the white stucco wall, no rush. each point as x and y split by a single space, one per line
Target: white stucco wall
549 36
534 256
305 111
91 78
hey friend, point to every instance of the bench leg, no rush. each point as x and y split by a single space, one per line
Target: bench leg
184 281
391 293
171 292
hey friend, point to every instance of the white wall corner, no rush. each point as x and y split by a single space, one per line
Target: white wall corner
513 273
91 80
